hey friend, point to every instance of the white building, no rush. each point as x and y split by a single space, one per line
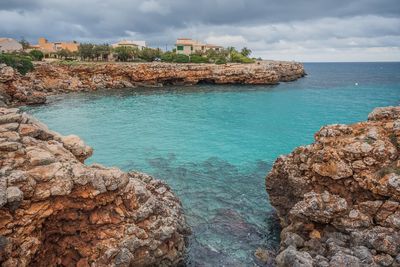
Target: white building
8 45
189 46
137 44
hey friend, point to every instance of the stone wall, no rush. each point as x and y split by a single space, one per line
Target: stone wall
339 198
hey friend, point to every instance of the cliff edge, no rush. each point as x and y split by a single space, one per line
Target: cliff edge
56 211
53 78
339 198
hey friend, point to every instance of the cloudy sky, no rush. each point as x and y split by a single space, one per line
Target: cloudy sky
305 30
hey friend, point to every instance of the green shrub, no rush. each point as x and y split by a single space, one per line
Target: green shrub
149 54
239 58
168 57
36 55
21 63
180 58
220 60
198 59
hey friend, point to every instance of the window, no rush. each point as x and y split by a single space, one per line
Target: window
191 48
179 47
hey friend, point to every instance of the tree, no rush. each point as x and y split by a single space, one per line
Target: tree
25 44
101 51
149 54
239 58
168 56
124 53
245 52
181 58
64 53
196 58
36 55
85 51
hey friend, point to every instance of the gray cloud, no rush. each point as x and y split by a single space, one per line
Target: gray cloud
299 29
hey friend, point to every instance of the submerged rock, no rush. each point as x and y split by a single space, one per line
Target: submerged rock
49 79
54 210
339 198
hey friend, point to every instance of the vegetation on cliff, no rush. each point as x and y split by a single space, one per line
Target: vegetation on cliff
21 63
92 52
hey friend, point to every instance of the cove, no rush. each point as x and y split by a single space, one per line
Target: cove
214 144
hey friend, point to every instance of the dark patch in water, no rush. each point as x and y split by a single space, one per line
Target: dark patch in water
226 207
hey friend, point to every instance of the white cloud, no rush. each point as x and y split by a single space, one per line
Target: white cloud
362 30
227 40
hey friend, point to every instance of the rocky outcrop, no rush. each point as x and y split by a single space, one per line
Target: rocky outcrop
339 198
56 211
55 78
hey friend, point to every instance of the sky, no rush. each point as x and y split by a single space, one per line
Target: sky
301 30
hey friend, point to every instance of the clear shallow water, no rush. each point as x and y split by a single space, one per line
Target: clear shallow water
215 144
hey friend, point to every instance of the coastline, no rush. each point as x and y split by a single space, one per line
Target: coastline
57 78
56 209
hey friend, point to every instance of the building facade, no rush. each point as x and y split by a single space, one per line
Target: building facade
187 46
52 47
130 43
8 45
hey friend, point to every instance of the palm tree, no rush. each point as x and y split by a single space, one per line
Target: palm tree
245 52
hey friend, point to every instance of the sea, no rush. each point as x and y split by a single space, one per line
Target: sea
215 144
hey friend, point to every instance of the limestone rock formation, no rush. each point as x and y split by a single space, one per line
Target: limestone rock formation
339 198
56 211
49 79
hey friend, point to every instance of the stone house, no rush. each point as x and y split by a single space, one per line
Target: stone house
52 47
131 43
8 45
187 46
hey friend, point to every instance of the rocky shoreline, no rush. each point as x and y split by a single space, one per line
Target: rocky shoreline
56 78
55 210
338 199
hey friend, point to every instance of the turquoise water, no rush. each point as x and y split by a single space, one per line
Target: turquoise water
215 144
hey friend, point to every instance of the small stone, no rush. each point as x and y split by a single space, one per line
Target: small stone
363 254
333 169
315 234
9 146
14 194
123 258
40 157
293 258
262 255
293 239
383 259
341 259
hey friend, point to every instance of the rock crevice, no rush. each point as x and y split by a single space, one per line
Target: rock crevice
339 198
54 210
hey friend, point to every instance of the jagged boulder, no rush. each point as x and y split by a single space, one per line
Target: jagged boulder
56 211
341 195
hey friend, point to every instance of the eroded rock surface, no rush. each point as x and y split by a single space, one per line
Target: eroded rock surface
49 78
339 198
56 211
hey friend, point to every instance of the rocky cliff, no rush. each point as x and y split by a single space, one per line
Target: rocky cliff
339 198
56 211
55 78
